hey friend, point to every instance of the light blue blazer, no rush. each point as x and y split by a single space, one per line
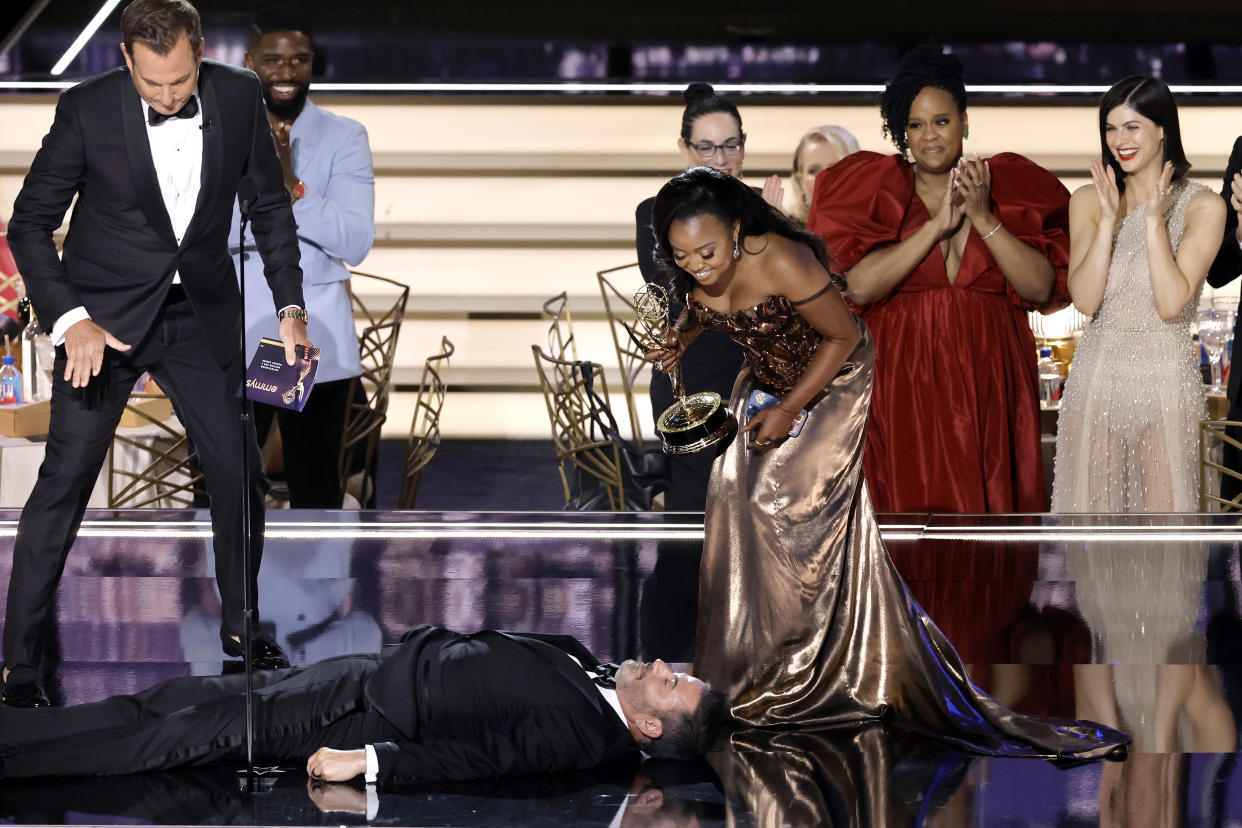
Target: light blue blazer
336 227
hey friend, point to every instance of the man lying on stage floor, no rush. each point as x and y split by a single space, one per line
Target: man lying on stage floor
441 705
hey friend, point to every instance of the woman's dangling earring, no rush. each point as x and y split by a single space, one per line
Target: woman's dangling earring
966 134
737 248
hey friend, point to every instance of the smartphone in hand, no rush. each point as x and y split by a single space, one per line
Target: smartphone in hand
761 400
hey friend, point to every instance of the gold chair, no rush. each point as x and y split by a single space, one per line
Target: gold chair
368 393
10 282
160 468
580 458
425 426
1213 437
619 306
561 342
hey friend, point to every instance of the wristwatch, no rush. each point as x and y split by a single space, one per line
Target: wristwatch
293 312
298 191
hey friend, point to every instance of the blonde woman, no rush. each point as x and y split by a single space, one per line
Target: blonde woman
819 149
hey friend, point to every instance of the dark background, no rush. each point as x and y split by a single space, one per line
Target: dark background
745 40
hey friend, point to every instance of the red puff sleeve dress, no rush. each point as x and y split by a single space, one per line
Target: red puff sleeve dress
954 423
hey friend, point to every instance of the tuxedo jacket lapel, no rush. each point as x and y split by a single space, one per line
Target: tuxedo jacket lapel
213 156
141 164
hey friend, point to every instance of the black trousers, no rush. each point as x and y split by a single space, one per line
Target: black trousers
83 422
311 439
198 720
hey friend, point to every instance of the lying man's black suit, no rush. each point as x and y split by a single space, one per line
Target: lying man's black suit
442 705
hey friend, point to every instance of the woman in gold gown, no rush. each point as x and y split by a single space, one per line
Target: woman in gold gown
803 619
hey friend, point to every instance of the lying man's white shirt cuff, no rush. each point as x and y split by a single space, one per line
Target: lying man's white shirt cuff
67 320
372 775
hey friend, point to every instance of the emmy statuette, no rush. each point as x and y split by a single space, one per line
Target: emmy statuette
695 421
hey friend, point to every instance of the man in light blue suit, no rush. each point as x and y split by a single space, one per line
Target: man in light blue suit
327 167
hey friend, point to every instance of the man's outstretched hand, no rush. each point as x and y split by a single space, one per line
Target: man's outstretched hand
332 765
84 351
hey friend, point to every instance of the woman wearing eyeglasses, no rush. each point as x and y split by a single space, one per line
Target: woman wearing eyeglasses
944 253
711 136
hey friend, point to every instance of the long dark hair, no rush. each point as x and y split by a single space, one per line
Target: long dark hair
1151 98
921 67
702 100
703 191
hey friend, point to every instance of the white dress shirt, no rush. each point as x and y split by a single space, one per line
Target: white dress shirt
177 151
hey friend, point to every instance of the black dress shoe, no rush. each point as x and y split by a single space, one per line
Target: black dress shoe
265 654
24 694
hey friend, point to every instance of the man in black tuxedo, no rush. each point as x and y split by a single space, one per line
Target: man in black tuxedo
1224 270
441 706
154 153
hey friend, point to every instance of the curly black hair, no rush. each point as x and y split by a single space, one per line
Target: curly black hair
701 99
921 67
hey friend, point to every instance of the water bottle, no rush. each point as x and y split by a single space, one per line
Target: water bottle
1049 380
10 381
35 353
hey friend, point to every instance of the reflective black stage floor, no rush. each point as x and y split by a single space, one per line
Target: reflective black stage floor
1137 624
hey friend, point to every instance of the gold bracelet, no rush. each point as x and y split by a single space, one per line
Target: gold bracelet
991 232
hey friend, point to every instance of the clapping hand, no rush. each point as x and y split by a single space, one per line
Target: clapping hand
1235 201
974 186
280 137
774 191
1105 181
949 216
1154 211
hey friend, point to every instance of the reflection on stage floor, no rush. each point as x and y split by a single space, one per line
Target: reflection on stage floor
1136 623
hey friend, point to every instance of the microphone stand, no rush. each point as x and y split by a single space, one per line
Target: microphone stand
246 201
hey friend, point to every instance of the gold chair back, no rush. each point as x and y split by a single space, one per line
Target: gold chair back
424 436
10 282
619 306
1213 437
570 411
561 344
368 394
160 469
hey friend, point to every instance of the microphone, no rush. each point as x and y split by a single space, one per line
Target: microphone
247 194
207 126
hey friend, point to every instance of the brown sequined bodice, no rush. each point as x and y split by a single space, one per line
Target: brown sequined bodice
778 342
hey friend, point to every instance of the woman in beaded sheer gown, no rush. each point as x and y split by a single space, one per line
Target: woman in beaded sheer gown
803 620
1143 238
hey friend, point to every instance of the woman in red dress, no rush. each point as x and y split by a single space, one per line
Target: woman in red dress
943 256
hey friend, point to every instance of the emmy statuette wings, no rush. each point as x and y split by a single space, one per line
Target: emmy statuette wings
695 421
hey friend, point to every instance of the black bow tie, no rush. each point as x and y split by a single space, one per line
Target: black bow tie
155 118
605 675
